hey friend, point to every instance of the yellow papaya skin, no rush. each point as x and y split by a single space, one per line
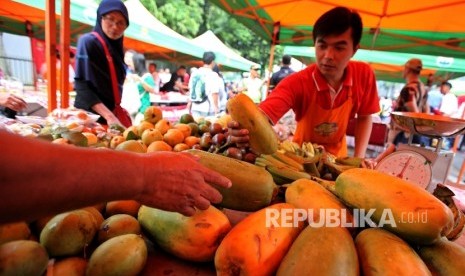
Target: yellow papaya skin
405 209
262 137
22 258
321 251
122 255
444 258
383 253
309 195
252 248
252 187
194 238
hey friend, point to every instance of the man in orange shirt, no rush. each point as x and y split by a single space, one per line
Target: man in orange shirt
327 94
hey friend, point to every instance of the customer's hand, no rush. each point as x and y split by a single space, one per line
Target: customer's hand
12 101
179 183
238 135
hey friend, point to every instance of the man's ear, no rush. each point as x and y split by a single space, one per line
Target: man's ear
356 49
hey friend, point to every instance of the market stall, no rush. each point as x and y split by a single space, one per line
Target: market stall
278 188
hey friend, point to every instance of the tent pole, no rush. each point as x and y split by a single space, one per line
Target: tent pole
270 68
64 50
274 41
50 46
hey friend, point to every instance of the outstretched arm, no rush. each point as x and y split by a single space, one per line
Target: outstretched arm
39 178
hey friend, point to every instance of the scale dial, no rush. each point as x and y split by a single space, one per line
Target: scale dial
408 165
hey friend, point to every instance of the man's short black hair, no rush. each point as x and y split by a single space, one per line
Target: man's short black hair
182 67
337 21
447 83
286 60
208 57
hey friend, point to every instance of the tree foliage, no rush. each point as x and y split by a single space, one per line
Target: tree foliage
191 18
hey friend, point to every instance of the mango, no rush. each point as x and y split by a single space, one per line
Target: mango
444 258
14 231
383 253
68 233
72 266
22 258
130 207
321 251
122 255
117 225
194 238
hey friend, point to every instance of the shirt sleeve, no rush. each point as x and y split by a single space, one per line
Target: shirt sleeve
281 99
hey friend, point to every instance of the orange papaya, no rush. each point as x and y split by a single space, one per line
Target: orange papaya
383 253
262 137
444 258
258 243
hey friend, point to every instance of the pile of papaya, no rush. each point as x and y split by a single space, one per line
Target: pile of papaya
297 211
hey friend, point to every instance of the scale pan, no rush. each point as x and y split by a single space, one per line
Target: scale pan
428 124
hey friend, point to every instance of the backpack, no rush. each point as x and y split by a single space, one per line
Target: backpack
198 92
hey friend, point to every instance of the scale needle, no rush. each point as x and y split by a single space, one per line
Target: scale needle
401 174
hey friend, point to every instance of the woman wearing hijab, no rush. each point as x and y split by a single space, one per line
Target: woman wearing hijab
99 85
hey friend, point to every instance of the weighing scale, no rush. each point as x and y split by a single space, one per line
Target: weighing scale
422 165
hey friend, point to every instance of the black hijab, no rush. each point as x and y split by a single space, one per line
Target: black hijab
107 6
92 65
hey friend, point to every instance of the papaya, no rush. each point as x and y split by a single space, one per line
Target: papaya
395 204
96 214
68 233
383 253
262 137
311 196
444 258
252 186
194 238
14 231
321 251
122 255
71 266
22 258
117 225
258 243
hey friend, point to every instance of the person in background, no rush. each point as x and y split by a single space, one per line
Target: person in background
450 104
71 71
412 98
156 77
328 93
176 82
94 90
209 105
145 85
10 104
282 73
449 108
252 86
170 181
222 95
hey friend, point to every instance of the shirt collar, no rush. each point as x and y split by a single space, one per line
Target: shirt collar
322 85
